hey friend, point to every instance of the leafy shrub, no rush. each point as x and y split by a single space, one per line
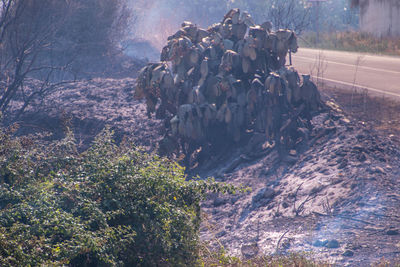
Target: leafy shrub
111 205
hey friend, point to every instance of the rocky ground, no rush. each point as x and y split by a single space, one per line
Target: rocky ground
337 197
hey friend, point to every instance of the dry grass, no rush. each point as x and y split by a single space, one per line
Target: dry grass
293 260
380 111
219 259
352 41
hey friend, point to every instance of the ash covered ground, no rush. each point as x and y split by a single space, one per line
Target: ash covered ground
337 198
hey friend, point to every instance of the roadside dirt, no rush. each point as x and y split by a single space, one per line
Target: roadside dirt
381 112
337 198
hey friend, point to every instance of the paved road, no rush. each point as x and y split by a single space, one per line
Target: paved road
378 74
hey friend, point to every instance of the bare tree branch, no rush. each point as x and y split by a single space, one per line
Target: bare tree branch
289 14
41 39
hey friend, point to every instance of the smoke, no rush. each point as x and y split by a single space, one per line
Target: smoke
158 19
357 214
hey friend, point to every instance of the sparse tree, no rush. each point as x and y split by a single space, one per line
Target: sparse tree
289 14
48 38
28 28
92 32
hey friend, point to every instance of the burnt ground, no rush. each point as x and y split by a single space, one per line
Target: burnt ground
337 198
87 107
380 111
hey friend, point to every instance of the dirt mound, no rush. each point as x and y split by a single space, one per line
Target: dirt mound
337 200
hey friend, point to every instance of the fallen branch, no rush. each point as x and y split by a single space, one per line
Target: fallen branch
244 158
279 241
343 217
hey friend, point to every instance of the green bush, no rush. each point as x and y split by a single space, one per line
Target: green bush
111 205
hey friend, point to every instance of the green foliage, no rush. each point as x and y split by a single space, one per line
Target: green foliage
111 205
